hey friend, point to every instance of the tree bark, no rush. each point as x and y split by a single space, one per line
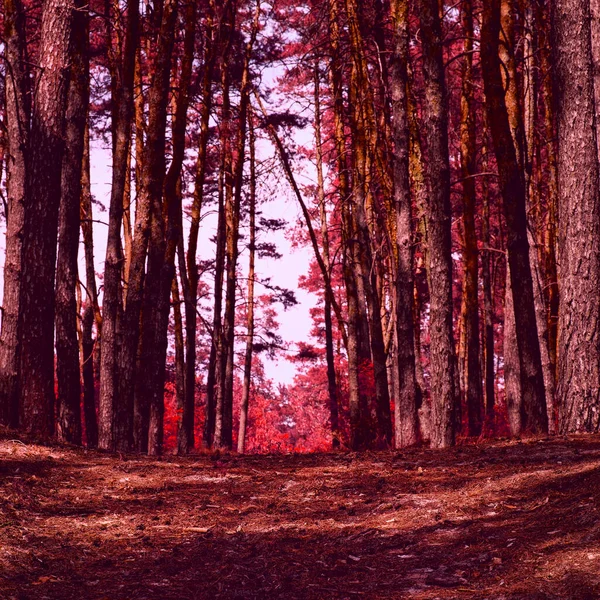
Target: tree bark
134 390
512 184
122 112
329 353
40 225
67 345
435 118
18 112
241 441
405 407
470 291
579 219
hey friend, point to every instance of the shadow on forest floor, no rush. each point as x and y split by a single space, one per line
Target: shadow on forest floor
498 521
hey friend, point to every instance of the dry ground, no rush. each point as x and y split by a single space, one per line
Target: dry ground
498 521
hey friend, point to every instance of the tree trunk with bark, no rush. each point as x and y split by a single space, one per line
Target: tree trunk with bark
470 305
512 184
67 345
435 118
40 226
406 422
18 112
579 219
122 113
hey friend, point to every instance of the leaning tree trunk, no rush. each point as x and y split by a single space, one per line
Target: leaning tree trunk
435 117
40 225
67 344
512 185
578 390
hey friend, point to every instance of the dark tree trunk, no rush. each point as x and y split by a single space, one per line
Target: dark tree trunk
67 345
136 391
40 225
578 390
406 422
17 128
512 185
435 118
470 304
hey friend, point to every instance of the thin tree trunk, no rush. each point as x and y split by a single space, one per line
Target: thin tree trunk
488 305
329 354
470 304
188 269
241 441
224 434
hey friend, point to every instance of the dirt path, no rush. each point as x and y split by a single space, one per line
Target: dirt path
501 521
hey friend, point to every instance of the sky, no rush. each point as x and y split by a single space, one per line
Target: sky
295 322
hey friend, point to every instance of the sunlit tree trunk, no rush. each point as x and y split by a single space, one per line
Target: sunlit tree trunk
329 353
241 441
224 434
188 269
357 402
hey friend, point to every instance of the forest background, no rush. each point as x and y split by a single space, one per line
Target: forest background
444 164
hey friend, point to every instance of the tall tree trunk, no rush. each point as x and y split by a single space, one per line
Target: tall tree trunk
579 219
136 391
224 433
188 268
488 304
357 401
241 441
67 345
512 184
435 117
17 129
470 304
406 422
329 353
40 226
122 112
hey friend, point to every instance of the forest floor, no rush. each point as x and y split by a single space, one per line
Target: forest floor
502 520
